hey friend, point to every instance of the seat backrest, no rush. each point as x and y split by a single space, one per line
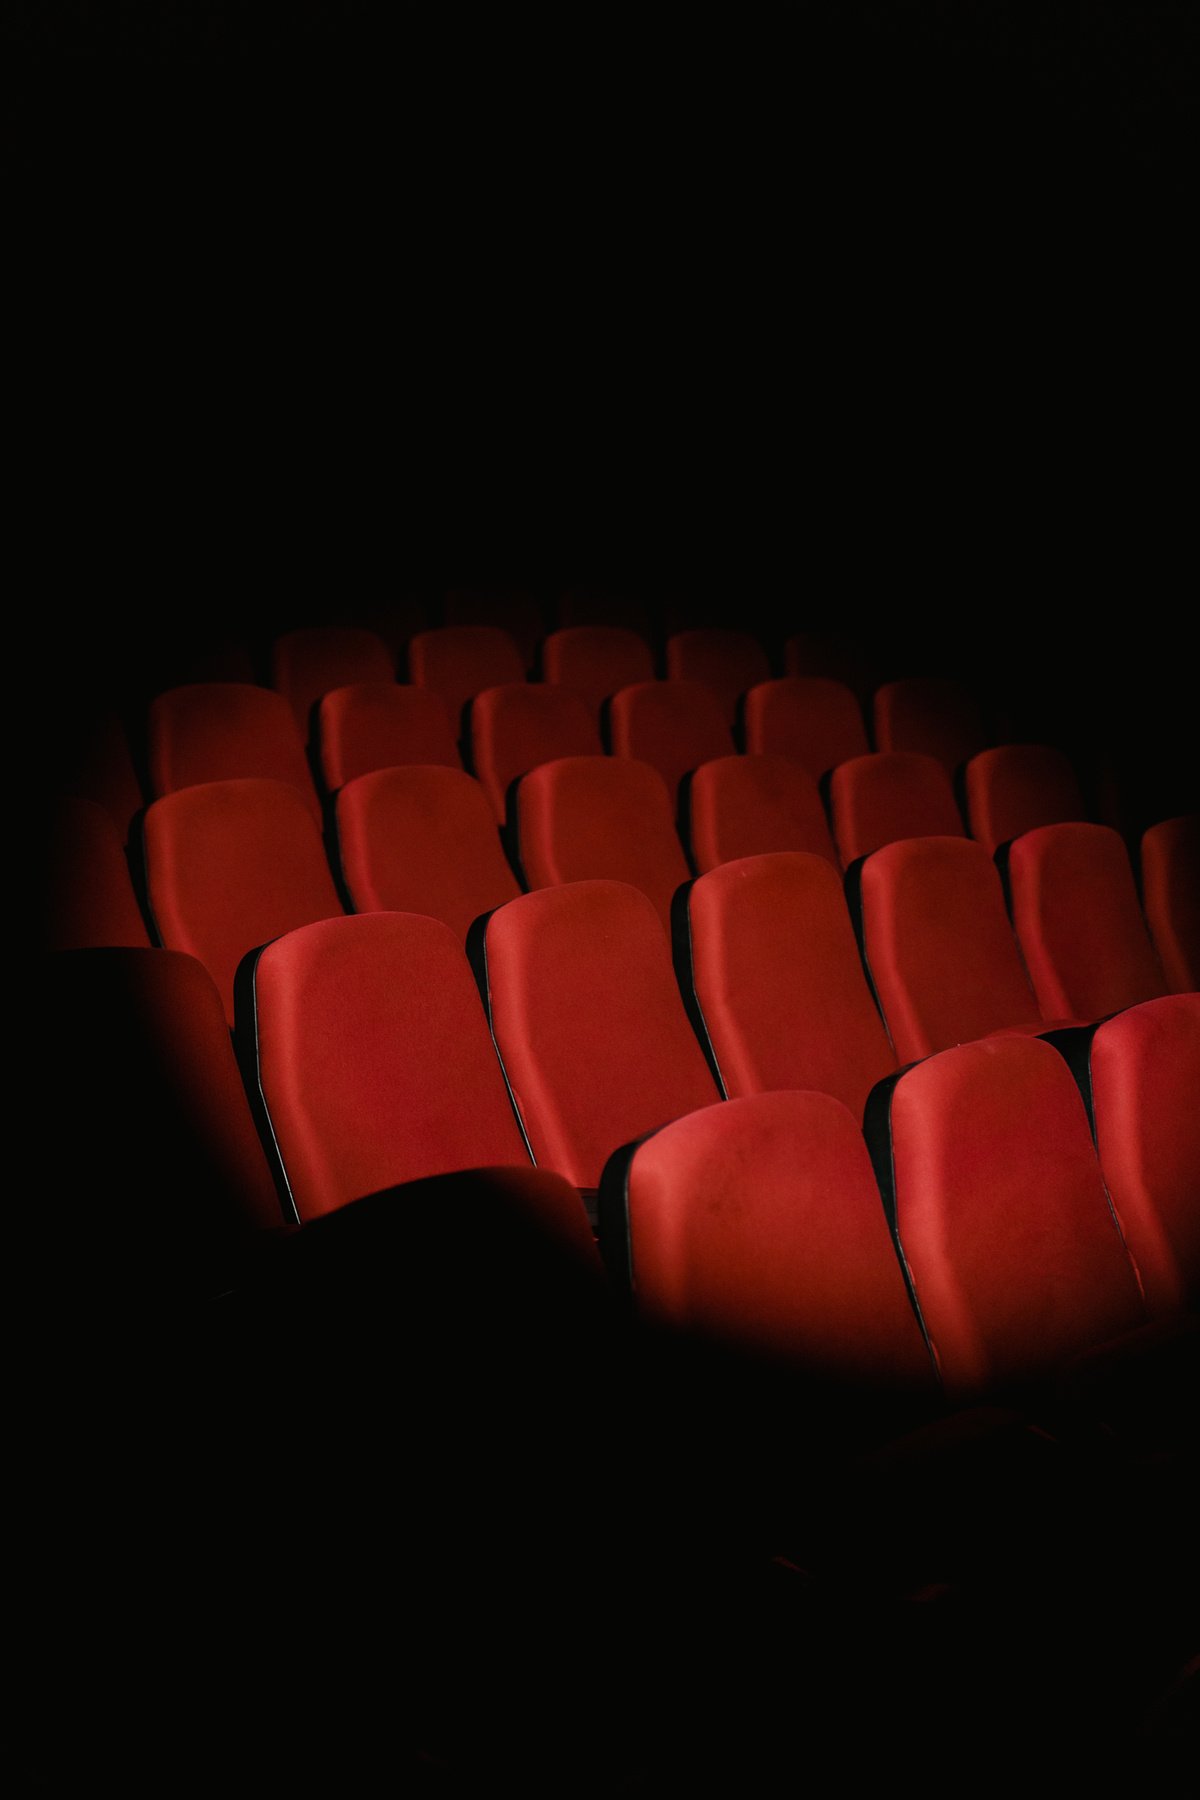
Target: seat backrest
382 725
225 731
307 664
877 800
1000 1212
938 718
513 610
459 661
588 1023
600 818
1075 911
516 727
422 840
91 759
372 1054
1171 895
672 725
595 660
87 894
817 722
231 864
938 945
751 805
725 662
1017 786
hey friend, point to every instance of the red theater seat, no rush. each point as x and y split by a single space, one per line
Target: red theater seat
815 722
672 725
1171 894
422 840
600 818
759 1222
588 1023
459 661
595 660
381 725
1000 1213
937 718
877 800
373 1058
88 898
519 614
938 945
307 664
514 728
1075 910
1016 787
98 767
749 805
725 662
231 864
224 731
586 607
766 951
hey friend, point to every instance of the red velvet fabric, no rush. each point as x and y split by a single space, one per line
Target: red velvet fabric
382 725
672 725
225 731
1075 910
725 662
516 612
88 898
374 1059
1145 1075
514 728
937 718
309 663
589 1024
816 722
607 818
231 864
1003 1219
777 976
1171 895
750 805
1017 787
877 800
595 660
422 840
759 1221
939 946
101 769
459 661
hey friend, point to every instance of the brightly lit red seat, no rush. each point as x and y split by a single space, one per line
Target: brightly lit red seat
877 800
815 721
516 727
308 663
750 805
225 731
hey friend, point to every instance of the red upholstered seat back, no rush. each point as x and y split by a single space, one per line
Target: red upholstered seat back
516 727
1016 787
877 800
459 661
1075 910
94 763
381 725
595 660
589 1024
374 1059
776 976
309 663
938 718
1001 1213
672 725
225 731
816 722
514 611
231 864
725 662
605 818
88 895
422 840
750 805
1171 893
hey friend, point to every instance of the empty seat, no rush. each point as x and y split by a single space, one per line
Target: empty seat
1075 910
514 728
459 661
605 608
1000 1212
749 805
381 725
938 718
672 725
877 800
818 723
765 952
309 663
1012 789
816 654
224 731
422 840
88 898
230 864
94 763
600 818
595 660
1171 895
372 1055
725 662
588 1023
513 610
938 945
759 1222
1144 1084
